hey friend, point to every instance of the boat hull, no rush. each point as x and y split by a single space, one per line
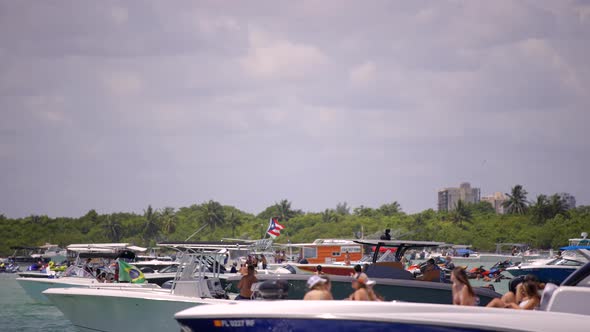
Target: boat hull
553 274
389 289
344 316
111 310
34 287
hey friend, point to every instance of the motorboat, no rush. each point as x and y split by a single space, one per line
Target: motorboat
343 316
554 270
111 308
77 275
562 308
393 282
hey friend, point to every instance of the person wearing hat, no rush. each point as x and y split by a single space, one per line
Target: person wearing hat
317 289
359 284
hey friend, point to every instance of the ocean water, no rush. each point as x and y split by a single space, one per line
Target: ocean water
18 312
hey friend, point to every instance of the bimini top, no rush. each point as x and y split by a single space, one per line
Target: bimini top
205 245
400 243
103 247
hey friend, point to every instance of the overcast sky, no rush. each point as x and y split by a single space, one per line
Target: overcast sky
114 105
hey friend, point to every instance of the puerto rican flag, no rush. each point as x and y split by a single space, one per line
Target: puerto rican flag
274 228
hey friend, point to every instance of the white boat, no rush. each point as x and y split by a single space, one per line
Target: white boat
107 309
554 270
34 283
343 316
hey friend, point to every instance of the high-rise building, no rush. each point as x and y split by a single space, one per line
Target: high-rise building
448 197
570 200
497 199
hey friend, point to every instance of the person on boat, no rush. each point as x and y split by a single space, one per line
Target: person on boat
245 284
463 293
386 236
449 263
431 272
244 269
347 258
318 270
328 286
529 294
373 296
317 289
263 261
234 267
359 284
515 293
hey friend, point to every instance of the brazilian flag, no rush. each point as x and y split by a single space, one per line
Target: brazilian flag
130 273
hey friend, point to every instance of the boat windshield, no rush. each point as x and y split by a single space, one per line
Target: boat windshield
387 256
565 262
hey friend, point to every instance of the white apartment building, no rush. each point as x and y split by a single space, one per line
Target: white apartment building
496 199
448 197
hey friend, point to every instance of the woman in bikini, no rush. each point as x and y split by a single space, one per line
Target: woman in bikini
463 293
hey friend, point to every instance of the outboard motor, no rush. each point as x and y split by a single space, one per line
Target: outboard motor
272 290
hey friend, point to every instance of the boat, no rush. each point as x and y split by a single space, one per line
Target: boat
25 254
35 282
343 316
554 270
393 282
110 308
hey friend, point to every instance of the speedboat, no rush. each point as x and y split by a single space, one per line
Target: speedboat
35 282
111 308
554 270
343 316
393 282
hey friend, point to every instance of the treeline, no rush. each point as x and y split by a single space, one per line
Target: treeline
542 224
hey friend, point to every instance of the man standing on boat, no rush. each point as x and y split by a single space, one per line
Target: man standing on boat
246 283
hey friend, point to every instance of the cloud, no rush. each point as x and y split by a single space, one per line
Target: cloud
280 58
323 101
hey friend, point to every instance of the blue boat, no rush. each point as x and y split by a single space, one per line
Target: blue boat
554 270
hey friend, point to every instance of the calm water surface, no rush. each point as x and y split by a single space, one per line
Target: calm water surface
19 313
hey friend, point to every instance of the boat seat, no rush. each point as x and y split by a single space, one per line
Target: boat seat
546 296
215 288
192 288
393 270
433 275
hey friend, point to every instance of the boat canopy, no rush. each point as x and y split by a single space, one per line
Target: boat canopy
401 245
574 247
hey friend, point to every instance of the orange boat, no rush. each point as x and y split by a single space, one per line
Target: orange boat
336 256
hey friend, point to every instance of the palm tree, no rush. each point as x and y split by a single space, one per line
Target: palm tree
284 210
516 202
557 205
342 209
233 219
329 215
113 228
390 209
212 214
540 210
151 228
461 213
169 220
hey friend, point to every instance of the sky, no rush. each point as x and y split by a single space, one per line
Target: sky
117 105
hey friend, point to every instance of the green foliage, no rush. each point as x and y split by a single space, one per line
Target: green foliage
516 202
475 224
